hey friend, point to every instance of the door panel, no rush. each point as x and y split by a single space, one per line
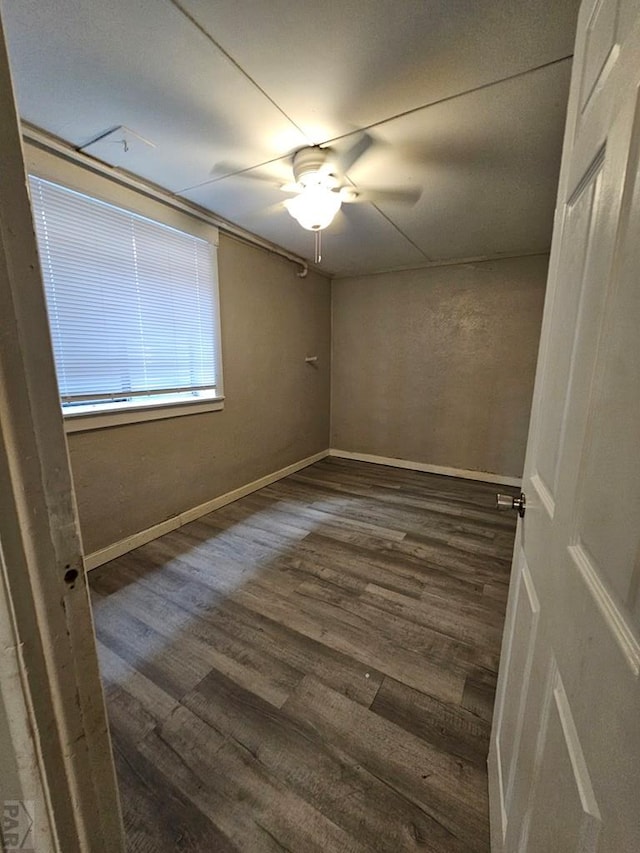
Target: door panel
585 579
563 781
600 44
522 644
610 463
580 226
564 763
526 760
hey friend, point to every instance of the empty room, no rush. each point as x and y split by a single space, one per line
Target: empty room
319 406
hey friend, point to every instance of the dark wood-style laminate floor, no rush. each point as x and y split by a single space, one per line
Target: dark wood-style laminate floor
310 669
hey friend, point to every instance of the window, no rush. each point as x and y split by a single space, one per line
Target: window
132 304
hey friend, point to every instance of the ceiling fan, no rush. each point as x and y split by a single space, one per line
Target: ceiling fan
320 186
317 188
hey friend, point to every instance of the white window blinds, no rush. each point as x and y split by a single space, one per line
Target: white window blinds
132 302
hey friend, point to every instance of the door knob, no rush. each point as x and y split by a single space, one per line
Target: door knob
518 503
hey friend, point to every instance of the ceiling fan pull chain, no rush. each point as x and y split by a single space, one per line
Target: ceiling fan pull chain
318 246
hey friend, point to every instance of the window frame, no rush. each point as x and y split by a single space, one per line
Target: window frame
57 169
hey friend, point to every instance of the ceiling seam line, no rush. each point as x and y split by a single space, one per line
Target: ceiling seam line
393 225
400 231
446 99
178 5
382 121
233 174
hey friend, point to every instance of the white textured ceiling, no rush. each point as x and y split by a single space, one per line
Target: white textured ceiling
464 100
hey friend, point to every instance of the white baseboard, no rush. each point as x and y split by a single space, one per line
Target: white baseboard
483 476
97 558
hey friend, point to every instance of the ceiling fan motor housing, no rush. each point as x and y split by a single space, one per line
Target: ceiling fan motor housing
309 164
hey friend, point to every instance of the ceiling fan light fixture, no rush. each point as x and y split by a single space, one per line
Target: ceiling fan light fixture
315 207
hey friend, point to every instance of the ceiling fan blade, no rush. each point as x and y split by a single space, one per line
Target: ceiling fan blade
291 188
234 170
386 196
272 209
347 159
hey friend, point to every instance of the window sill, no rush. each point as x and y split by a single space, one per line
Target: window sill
131 415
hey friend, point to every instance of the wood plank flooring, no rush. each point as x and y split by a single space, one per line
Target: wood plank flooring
311 668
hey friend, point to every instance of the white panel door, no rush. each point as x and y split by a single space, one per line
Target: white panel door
564 763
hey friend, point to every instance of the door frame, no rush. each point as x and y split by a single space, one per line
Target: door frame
53 715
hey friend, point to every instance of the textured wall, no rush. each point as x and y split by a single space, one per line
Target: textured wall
131 477
433 366
437 365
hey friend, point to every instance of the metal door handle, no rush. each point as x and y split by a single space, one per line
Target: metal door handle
518 503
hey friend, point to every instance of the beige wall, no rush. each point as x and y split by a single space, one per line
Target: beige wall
433 366
437 365
129 478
